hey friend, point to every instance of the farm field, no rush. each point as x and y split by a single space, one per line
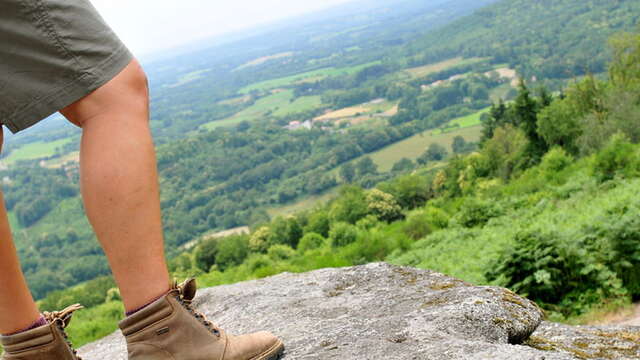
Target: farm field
298 105
425 70
279 103
187 78
35 150
463 122
304 77
304 204
62 160
264 59
414 146
383 107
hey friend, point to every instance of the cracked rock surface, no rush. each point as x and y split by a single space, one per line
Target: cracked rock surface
380 311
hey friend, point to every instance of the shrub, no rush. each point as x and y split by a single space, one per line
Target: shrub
437 218
506 151
205 254
286 231
368 222
232 250
417 226
343 234
319 223
257 262
621 248
618 158
475 212
280 252
259 241
310 241
550 271
384 206
350 206
556 160
410 191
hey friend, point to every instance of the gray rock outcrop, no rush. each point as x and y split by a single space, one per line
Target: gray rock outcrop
380 311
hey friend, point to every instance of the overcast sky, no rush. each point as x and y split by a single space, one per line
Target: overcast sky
149 26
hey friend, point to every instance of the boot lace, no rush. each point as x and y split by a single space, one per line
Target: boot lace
188 304
61 319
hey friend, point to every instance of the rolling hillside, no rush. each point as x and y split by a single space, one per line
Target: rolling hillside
219 114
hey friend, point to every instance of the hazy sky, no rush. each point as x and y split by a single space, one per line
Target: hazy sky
148 26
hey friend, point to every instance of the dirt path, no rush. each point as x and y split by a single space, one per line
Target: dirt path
629 316
634 319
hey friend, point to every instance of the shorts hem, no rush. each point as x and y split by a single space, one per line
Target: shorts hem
60 97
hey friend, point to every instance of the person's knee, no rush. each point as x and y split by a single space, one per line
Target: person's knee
128 91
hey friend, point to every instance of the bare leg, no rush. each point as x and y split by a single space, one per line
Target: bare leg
17 309
119 184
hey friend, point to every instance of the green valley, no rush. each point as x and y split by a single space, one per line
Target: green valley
421 134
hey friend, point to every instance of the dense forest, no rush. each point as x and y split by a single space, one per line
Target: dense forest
215 178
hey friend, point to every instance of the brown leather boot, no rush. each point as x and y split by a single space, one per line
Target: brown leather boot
47 342
170 328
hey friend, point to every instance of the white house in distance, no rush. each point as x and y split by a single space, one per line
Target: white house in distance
297 125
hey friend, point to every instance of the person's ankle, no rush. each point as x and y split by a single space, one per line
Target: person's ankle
36 324
131 312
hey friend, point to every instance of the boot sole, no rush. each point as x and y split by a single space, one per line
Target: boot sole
276 352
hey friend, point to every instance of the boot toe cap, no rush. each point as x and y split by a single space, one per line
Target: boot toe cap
257 346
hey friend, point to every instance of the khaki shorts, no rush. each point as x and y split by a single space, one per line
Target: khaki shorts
52 53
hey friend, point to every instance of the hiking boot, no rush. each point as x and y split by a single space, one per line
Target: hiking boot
170 328
47 342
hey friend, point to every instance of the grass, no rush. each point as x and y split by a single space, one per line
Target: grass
13 221
36 150
279 103
500 92
315 75
300 104
303 204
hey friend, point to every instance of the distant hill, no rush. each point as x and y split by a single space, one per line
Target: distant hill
543 38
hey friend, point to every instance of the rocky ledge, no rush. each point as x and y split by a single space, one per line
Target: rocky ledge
380 311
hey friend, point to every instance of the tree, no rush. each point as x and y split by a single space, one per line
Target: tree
526 109
285 231
559 125
232 250
624 70
436 152
366 166
403 165
384 206
348 173
310 241
505 151
319 223
205 254
459 145
497 117
350 206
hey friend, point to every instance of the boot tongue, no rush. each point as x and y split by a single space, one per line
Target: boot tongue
188 289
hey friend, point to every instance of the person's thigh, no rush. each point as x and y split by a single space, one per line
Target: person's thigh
53 53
